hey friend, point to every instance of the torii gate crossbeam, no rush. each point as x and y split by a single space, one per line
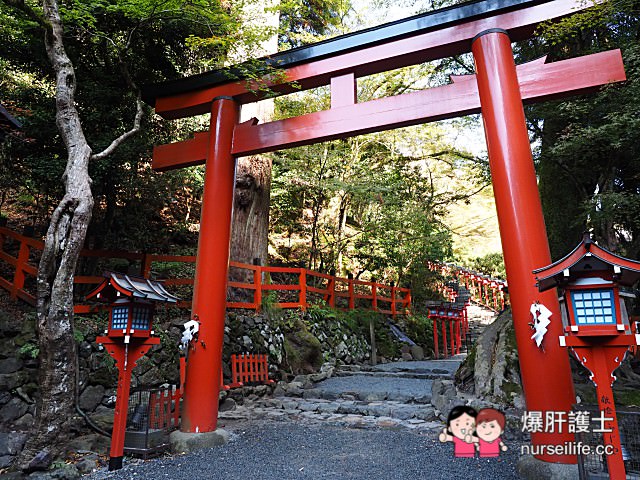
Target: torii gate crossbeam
497 90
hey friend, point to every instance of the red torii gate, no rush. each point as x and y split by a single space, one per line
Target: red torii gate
497 90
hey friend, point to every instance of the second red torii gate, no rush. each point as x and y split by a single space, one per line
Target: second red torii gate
497 90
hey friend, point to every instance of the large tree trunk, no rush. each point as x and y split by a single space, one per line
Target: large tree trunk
65 238
250 224
250 230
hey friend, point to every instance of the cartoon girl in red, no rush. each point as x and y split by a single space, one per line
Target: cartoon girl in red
490 425
461 424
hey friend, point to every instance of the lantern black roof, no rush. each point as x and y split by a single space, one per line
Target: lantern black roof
588 257
116 284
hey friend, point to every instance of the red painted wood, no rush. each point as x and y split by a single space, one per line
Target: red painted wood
145 267
343 90
602 361
538 82
303 289
257 281
396 301
192 152
19 275
202 386
435 336
249 368
126 358
546 375
420 48
445 354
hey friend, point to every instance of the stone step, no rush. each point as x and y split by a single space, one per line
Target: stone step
367 387
416 375
386 409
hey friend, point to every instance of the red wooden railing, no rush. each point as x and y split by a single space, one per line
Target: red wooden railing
304 287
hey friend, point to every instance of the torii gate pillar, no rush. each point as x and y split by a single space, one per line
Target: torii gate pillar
202 384
546 374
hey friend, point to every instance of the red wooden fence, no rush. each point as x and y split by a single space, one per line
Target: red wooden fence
247 368
164 409
303 287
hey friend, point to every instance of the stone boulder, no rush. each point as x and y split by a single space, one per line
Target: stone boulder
417 352
444 396
10 365
13 410
303 350
491 371
91 397
11 443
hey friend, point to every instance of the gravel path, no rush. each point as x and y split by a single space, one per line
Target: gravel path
286 451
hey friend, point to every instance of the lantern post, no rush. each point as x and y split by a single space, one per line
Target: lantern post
128 338
596 326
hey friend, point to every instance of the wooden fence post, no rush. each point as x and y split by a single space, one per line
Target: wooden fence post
303 289
19 276
393 300
257 282
145 266
352 300
332 292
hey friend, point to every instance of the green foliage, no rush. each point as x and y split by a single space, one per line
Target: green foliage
271 307
419 328
303 351
78 336
491 264
303 21
357 322
589 161
29 350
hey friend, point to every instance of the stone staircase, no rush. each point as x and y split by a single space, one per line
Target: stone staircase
391 395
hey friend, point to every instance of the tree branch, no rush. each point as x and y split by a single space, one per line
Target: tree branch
122 138
136 121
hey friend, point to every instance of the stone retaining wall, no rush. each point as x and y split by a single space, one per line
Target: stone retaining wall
245 332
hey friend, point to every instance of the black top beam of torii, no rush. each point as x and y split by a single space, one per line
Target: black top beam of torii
340 61
386 33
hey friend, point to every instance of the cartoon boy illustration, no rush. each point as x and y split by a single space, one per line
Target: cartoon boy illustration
489 427
461 423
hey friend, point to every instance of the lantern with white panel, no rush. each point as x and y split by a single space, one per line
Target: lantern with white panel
591 284
128 338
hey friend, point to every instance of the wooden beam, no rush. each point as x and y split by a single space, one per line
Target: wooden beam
419 48
343 90
539 81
